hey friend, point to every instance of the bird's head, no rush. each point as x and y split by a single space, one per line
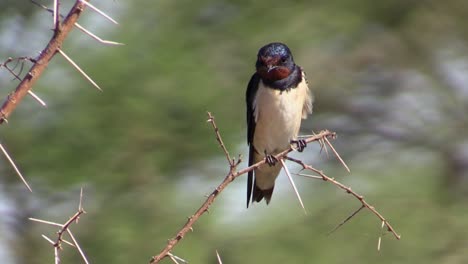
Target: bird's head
274 62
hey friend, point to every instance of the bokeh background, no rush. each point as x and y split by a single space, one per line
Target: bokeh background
390 77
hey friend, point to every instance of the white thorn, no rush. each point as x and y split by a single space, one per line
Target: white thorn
45 222
219 258
39 100
78 246
55 13
48 239
15 167
293 185
79 69
107 42
99 11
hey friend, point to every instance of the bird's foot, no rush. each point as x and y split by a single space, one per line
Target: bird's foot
301 144
271 160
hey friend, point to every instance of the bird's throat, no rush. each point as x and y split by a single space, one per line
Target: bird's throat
275 74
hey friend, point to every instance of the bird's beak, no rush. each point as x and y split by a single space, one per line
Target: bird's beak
271 67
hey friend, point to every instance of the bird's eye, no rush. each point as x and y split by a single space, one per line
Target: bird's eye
284 59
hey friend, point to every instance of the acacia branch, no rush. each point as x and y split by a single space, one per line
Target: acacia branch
60 34
359 197
65 228
232 174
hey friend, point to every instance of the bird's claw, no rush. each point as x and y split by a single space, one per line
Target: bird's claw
271 160
301 144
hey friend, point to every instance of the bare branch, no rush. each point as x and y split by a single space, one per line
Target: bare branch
65 228
211 120
41 63
360 198
15 167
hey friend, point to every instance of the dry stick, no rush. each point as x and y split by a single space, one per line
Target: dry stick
348 190
347 218
227 180
41 63
211 120
65 228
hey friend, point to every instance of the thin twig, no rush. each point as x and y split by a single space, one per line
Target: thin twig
57 257
308 176
65 228
12 163
293 184
17 75
360 198
211 120
347 219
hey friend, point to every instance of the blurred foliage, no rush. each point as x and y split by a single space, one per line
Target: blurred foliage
386 76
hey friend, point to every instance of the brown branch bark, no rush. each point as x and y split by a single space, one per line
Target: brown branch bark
60 34
233 174
347 189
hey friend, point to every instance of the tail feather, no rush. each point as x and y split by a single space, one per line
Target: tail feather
259 194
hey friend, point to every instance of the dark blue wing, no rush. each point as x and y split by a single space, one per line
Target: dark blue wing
252 88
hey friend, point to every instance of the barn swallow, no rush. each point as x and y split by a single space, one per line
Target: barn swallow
277 98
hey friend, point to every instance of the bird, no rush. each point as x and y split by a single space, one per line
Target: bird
277 99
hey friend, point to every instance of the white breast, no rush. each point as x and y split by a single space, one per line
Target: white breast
278 116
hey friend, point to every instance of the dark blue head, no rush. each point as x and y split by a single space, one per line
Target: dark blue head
274 62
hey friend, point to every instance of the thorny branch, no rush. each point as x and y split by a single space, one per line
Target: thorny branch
65 228
234 173
61 30
40 64
347 190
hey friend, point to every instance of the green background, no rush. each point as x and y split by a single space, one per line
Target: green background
388 77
